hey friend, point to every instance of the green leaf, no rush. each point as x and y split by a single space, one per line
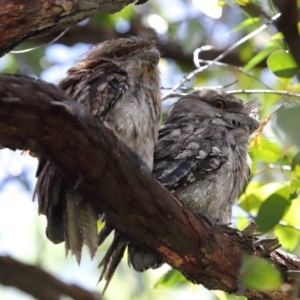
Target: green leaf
10 63
295 177
251 200
171 278
242 222
296 161
248 22
289 122
267 151
277 36
246 52
242 2
224 296
259 274
102 20
271 212
282 64
261 55
291 217
256 193
294 87
288 237
279 188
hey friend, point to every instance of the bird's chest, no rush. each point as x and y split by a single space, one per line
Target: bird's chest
130 120
216 193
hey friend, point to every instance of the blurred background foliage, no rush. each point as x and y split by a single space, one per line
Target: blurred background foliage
260 63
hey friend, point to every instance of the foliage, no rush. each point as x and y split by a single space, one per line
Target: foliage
257 273
259 64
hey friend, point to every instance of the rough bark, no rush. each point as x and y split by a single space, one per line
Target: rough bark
20 20
38 116
36 282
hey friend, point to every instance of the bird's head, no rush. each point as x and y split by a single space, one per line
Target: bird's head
134 51
223 108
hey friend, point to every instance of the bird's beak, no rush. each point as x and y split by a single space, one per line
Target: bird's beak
151 56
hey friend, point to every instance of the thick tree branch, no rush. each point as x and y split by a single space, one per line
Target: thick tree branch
288 25
20 20
38 283
38 116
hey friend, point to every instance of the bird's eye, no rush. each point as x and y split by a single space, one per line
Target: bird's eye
219 104
119 53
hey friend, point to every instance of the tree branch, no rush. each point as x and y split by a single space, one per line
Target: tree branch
287 22
38 116
20 20
288 25
38 283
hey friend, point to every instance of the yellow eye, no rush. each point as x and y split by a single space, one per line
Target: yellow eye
219 104
119 53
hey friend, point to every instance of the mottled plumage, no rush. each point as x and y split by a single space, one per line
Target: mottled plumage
202 157
202 152
118 82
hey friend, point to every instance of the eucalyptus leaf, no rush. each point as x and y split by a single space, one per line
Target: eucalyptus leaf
248 22
288 237
271 212
169 279
282 64
259 274
260 56
271 153
288 120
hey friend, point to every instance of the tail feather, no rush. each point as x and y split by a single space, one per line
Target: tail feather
88 222
55 214
43 181
69 217
73 234
105 232
50 193
112 258
139 257
80 225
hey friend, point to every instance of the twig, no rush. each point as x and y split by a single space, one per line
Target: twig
261 91
241 91
224 86
240 69
40 46
221 56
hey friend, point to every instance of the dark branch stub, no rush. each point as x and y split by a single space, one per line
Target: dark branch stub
12 273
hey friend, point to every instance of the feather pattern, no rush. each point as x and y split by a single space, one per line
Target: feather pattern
118 83
202 157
